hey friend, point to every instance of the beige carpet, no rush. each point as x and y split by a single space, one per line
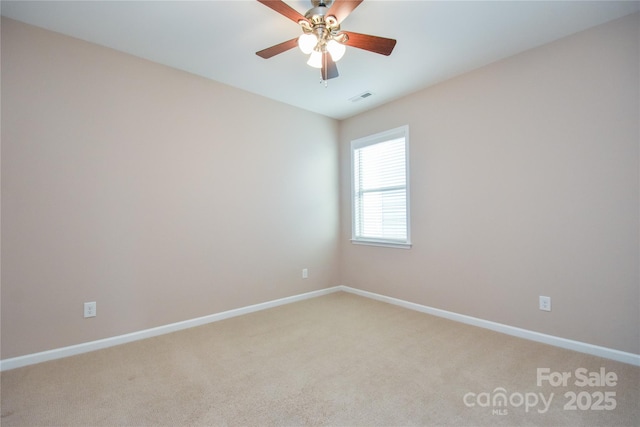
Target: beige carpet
339 359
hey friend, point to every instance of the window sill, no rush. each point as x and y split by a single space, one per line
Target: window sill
382 243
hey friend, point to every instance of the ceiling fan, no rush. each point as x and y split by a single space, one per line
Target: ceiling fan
322 37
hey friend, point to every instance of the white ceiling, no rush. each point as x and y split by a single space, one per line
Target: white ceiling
218 40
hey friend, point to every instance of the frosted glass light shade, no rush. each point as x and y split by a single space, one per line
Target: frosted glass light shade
336 50
315 59
307 42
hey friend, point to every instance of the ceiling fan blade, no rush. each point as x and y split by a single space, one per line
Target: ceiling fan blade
284 9
342 8
329 68
276 49
375 44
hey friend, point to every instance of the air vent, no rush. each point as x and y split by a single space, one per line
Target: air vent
360 97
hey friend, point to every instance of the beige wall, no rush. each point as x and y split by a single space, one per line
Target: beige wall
524 182
160 195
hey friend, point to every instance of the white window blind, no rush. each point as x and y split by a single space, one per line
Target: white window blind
380 189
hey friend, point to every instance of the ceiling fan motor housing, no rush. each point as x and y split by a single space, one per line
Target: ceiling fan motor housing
324 27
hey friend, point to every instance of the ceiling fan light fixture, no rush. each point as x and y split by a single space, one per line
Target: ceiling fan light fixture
315 59
307 42
336 50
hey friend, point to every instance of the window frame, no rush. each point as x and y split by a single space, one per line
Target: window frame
399 132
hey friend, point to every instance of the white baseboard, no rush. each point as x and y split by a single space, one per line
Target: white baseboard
31 359
607 353
58 353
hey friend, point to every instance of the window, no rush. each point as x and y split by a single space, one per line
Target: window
380 188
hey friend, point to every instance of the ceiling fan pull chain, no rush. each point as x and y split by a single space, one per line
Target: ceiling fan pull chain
324 67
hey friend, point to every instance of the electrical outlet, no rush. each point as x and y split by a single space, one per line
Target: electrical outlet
545 303
90 309
305 273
